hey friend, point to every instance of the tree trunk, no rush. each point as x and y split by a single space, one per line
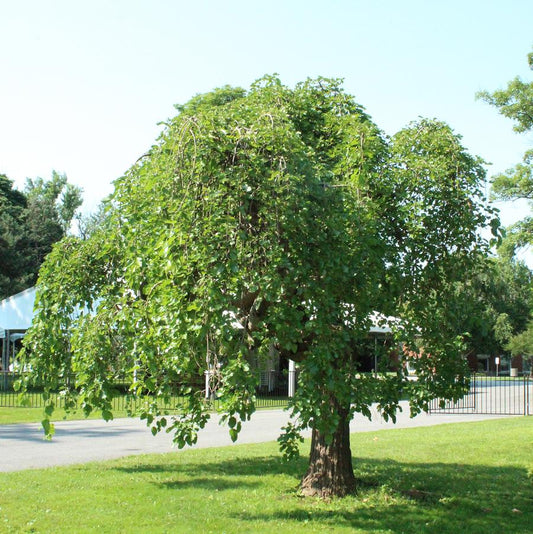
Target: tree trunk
330 471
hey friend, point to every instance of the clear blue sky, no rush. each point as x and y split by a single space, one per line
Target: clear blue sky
83 84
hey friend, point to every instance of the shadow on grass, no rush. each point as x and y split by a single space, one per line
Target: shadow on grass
392 497
213 474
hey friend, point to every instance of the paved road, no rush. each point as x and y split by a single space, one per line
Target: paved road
23 447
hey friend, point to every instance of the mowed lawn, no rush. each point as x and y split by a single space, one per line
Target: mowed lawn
468 477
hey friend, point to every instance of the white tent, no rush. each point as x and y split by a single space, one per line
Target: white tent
16 314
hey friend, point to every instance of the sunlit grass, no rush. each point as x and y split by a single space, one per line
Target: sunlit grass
20 414
469 477
35 415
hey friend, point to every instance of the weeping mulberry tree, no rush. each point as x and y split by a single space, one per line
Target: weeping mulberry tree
271 220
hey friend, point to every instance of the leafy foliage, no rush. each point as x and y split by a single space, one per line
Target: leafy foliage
30 222
267 220
12 207
516 103
492 304
521 344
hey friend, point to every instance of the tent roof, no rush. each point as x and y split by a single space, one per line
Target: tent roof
16 312
381 324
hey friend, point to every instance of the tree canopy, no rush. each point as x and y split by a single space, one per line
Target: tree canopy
516 103
268 220
30 222
493 304
12 207
521 344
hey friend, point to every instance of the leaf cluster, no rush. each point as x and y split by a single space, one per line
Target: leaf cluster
516 103
30 222
268 222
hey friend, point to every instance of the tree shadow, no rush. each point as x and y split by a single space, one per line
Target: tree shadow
392 496
234 466
234 473
426 497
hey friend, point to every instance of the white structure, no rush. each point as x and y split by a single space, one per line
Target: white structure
16 314
381 324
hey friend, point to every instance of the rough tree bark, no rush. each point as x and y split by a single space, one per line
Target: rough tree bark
330 471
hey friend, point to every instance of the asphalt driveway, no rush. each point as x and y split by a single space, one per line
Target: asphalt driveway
22 446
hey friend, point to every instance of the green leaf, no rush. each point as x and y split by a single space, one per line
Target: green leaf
48 427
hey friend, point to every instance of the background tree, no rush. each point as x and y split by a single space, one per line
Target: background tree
30 222
516 103
12 209
521 344
90 223
493 304
269 219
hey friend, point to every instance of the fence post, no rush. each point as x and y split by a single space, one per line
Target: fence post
207 391
292 378
473 389
526 395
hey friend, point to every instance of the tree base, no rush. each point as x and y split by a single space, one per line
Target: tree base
330 472
316 486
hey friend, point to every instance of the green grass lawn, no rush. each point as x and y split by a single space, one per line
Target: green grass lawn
35 415
10 416
13 411
469 477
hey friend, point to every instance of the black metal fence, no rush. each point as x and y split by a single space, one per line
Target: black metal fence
273 394
492 395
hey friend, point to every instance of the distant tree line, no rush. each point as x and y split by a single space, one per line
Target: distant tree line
516 103
31 221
